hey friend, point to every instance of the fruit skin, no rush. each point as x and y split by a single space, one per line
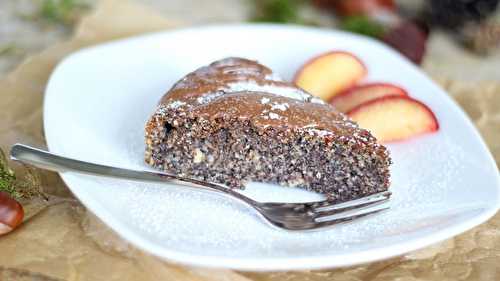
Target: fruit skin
432 126
409 39
356 7
363 25
323 55
11 213
345 101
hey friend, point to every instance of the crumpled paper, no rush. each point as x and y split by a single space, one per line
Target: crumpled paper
61 240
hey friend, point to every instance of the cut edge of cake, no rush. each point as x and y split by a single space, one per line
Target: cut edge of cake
230 135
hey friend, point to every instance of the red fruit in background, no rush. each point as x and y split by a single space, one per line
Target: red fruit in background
408 39
356 7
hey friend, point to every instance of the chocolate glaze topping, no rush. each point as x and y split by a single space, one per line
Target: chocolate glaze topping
248 90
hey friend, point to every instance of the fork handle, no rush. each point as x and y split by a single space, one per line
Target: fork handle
52 162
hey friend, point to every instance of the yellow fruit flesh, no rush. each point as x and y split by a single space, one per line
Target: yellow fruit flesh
390 120
326 76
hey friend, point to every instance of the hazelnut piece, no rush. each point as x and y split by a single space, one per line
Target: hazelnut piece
11 213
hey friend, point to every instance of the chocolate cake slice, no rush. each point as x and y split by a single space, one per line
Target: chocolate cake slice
235 121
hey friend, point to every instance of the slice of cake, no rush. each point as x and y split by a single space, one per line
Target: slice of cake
235 121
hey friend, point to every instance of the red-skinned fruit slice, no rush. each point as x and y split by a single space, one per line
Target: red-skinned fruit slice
328 74
394 118
359 94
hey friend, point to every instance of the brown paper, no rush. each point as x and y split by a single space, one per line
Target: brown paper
60 240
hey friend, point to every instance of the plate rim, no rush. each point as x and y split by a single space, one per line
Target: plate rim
272 264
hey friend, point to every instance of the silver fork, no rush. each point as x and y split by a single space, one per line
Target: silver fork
290 216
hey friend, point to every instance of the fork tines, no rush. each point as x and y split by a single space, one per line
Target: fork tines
331 213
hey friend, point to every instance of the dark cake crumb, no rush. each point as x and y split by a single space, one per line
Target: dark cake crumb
231 137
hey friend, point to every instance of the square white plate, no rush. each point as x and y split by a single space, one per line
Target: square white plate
98 100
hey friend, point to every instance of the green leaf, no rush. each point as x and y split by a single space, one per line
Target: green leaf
8 49
362 25
28 186
7 176
61 11
280 11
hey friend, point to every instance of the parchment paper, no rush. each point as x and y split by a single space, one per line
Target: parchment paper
60 240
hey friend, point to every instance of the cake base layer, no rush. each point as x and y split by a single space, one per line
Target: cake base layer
232 151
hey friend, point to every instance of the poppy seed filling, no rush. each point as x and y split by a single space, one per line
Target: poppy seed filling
235 121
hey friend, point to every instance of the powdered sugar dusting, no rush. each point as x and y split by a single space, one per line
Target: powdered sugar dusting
165 214
176 104
273 76
209 227
280 106
281 90
208 97
273 115
319 132
264 100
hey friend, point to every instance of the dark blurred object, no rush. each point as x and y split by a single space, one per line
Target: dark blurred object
454 14
471 22
408 39
482 38
362 25
347 8
281 11
422 25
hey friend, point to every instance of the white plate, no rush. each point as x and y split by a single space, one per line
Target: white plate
99 99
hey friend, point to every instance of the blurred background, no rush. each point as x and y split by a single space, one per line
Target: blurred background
447 30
